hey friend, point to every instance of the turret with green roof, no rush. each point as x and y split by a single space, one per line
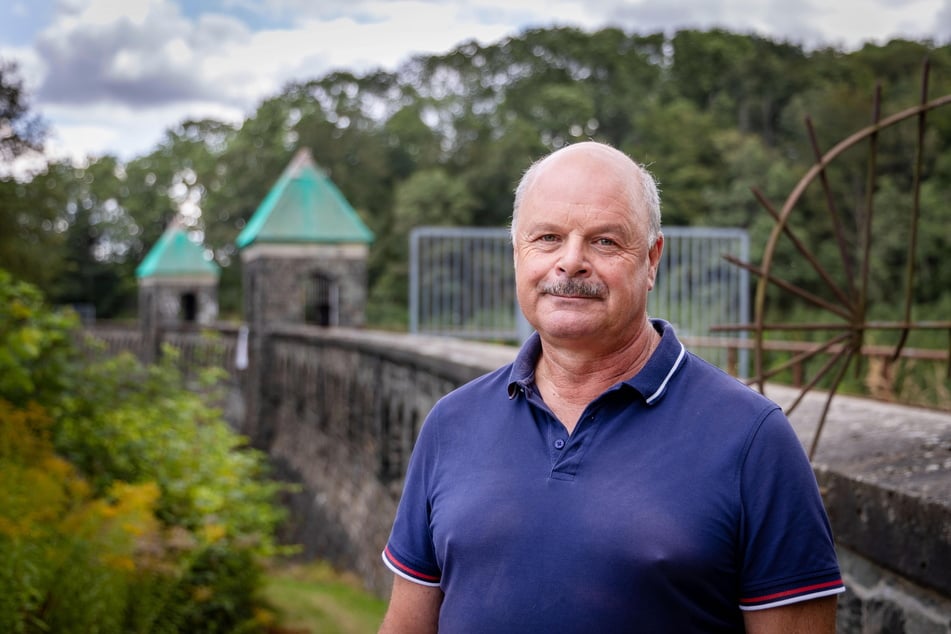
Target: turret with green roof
178 285
304 252
304 206
176 255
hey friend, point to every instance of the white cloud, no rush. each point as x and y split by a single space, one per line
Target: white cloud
126 132
112 74
398 31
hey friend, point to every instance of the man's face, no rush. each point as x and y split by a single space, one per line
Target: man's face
582 263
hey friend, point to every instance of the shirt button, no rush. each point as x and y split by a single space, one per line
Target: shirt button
559 444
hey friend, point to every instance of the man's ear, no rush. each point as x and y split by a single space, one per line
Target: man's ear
654 256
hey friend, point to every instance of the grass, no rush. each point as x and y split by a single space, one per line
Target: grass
315 599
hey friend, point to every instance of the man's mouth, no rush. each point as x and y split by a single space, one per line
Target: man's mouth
575 289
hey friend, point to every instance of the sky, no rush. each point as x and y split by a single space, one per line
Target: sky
111 76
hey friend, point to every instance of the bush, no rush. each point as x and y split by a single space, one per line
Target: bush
128 505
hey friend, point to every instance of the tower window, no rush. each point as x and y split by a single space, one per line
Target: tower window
189 307
322 299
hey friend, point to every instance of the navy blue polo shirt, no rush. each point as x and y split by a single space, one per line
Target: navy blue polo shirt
682 498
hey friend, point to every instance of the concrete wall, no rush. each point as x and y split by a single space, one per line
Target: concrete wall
338 410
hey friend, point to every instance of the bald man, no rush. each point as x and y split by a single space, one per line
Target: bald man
608 480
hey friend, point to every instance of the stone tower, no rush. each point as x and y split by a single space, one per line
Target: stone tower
304 253
303 260
178 286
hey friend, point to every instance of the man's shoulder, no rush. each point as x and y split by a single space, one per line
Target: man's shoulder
490 387
701 381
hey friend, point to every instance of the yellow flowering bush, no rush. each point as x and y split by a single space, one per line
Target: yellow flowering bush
127 503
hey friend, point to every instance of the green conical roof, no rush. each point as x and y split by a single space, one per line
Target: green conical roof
304 206
174 254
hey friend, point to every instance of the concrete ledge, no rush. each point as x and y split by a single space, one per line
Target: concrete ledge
905 533
452 359
884 469
885 474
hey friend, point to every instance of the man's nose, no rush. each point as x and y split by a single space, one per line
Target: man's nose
573 259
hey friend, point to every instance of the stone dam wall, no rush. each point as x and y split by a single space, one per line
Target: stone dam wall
338 411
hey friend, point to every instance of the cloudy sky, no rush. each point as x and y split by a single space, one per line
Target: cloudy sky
110 76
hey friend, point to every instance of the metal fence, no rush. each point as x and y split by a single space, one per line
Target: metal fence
462 284
696 288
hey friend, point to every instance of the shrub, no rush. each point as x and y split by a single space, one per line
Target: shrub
129 504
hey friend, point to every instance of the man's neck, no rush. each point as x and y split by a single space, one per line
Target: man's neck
570 377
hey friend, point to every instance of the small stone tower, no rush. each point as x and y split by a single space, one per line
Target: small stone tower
304 253
178 286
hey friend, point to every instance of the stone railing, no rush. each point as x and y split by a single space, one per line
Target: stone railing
338 411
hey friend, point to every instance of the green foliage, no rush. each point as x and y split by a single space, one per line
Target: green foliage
69 555
20 131
712 113
128 503
31 238
35 346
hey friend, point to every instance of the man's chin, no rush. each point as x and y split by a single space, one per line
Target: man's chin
567 327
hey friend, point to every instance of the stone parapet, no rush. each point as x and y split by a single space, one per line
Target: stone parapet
885 474
340 410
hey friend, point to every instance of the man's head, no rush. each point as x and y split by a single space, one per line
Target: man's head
587 242
645 194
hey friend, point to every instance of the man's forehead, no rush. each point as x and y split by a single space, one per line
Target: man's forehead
605 215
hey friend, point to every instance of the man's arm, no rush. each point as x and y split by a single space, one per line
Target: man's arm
413 609
816 616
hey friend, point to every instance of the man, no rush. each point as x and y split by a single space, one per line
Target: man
607 480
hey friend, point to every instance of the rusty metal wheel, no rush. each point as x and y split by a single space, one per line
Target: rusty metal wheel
841 291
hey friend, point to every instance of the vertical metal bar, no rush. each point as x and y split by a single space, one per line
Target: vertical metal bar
444 297
455 282
427 270
478 282
833 211
465 284
744 295
435 278
915 214
866 238
694 285
414 281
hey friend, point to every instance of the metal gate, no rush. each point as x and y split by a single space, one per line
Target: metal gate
462 284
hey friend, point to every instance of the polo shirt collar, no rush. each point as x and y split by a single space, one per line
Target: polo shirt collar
651 382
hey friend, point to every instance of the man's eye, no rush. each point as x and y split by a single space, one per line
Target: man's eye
606 242
548 237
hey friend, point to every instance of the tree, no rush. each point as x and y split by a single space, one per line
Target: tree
28 236
98 259
20 131
429 197
31 227
711 113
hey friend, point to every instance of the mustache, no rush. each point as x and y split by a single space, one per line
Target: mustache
575 288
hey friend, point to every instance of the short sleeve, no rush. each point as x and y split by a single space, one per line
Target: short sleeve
786 541
409 551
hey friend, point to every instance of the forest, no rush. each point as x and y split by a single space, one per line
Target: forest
443 139
128 503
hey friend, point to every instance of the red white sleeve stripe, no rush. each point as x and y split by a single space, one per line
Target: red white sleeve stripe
408 573
796 595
